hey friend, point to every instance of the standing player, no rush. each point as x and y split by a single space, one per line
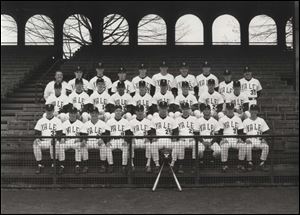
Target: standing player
118 126
164 125
100 99
250 86
71 127
46 126
186 77
203 78
143 98
60 101
212 98
50 86
163 74
231 124
140 126
143 77
94 127
186 97
225 87
100 74
78 75
256 126
208 125
122 78
240 101
187 126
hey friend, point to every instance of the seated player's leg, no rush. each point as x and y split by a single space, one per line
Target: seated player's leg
107 116
177 114
155 147
242 148
198 114
85 117
224 145
71 144
90 144
117 144
63 117
260 144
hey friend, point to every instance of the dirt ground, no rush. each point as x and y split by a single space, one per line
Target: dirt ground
141 200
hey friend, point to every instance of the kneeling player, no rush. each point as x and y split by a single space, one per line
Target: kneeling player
94 127
164 125
118 126
231 124
256 126
141 126
46 126
71 127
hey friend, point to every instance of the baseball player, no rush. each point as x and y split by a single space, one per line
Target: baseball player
208 126
256 126
250 86
212 98
187 126
123 99
100 74
166 96
144 98
118 126
81 100
186 97
164 125
94 127
186 77
143 77
203 78
225 87
50 86
240 101
122 78
60 101
163 74
100 99
46 126
231 124
71 127
141 126
78 75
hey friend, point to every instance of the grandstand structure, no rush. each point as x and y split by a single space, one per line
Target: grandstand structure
25 70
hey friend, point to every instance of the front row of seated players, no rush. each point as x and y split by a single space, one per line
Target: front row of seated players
162 125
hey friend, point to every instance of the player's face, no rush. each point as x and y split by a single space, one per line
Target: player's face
186 112
143 90
49 114
253 113
164 70
185 91
100 72
73 117
163 89
248 75
118 113
211 88
78 74
78 87
101 87
206 70
229 112
206 113
139 114
236 90
59 76
184 71
121 90
143 72
122 76
57 91
94 116
163 112
227 78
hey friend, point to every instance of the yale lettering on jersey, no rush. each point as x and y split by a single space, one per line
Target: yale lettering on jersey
186 124
206 127
94 130
115 128
48 126
254 127
140 127
97 101
73 130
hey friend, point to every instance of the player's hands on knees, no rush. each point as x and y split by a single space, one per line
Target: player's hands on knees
37 141
248 141
124 143
108 144
100 142
224 141
83 143
62 141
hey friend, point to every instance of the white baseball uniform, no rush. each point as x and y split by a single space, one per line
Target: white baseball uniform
190 79
202 82
117 99
213 100
250 88
58 103
238 101
136 80
50 89
128 87
146 101
100 100
225 88
78 101
71 84
159 97
93 83
190 98
158 77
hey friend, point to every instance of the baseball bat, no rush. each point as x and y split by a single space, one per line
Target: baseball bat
157 178
176 180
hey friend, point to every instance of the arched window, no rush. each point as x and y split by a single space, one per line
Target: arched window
262 31
189 30
226 31
152 30
9 30
115 30
289 33
77 32
39 30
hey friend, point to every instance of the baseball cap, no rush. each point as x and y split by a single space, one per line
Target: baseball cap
99 65
185 105
78 81
254 107
100 80
163 104
78 69
227 72
139 108
73 110
229 106
122 70
142 66
183 65
163 82
118 107
49 107
121 84
57 85
163 64
185 84
142 84
236 84
246 69
94 110
205 64
211 82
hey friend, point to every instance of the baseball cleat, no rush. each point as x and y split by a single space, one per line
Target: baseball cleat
85 169
250 166
262 167
180 170
61 170
241 168
110 169
39 169
102 169
77 169
225 168
148 169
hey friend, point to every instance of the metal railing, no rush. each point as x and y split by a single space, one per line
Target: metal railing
196 175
